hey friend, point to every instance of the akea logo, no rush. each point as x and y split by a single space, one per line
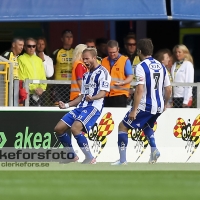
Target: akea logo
32 140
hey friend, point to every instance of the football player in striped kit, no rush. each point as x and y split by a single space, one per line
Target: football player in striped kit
95 85
151 80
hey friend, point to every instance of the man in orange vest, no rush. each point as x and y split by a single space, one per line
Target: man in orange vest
121 73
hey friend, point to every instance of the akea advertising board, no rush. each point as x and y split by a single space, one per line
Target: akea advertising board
176 131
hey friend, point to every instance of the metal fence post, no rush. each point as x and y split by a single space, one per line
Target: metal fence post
26 86
16 92
10 91
198 95
10 80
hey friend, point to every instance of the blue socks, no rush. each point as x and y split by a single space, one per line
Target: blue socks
148 131
66 142
122 144
83 144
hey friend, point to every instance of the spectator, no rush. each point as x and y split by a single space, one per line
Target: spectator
101 45
183 72
163 56
130 50
47 61
62 59
78 70
91 44
121 73
170 63
13 53
31 67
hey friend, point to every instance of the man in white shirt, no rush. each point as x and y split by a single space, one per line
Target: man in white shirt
47 61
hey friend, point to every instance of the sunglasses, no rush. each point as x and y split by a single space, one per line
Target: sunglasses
29 46
90 46
131 44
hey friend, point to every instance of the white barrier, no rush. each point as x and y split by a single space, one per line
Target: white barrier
174 146
172 149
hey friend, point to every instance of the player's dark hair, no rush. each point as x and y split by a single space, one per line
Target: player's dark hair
145 46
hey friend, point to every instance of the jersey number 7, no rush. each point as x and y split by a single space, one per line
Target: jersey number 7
156 76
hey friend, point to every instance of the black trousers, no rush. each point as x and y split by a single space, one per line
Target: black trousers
40 102
115 101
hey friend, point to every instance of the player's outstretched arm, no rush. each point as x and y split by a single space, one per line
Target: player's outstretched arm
75 102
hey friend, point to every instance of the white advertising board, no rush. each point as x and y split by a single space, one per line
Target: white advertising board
175 143
177 135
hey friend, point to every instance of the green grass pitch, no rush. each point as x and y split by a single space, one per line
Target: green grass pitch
139 181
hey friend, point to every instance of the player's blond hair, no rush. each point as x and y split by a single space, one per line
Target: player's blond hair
93 51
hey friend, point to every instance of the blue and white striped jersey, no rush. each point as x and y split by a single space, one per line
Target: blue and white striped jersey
153 75
93 83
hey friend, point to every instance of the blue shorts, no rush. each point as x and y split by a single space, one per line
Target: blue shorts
87 116
143 118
